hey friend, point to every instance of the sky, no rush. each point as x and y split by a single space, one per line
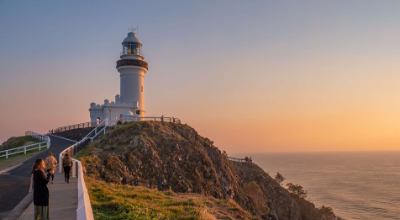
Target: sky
253 76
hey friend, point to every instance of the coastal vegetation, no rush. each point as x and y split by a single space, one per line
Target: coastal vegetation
14 142
15 159
279 178
120 202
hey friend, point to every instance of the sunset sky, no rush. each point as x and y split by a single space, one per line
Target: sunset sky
254 76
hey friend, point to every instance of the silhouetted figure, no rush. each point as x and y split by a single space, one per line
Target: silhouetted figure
162 118
67 163
41 197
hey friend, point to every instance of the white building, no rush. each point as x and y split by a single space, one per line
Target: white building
132 69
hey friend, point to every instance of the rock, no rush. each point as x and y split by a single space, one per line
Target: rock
174 156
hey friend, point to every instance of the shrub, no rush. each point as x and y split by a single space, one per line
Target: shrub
297 190
326 210
279 178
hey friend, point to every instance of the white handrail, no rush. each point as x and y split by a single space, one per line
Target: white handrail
103 123
84 210
103 130
44 138
37 136
24 147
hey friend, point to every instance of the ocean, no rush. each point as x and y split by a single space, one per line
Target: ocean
357 185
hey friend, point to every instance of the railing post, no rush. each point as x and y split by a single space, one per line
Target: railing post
73 168
40 146
24 150
60 164
6 153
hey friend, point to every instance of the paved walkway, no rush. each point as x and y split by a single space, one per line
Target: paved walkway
14 184
63 200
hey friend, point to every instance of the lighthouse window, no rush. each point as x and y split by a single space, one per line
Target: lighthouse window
131 48
142 88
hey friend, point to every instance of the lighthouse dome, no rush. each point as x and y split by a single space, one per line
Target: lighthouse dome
127 113
132 38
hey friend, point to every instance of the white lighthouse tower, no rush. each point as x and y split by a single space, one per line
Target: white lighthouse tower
131 68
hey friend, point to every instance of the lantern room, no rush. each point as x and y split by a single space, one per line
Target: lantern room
132 45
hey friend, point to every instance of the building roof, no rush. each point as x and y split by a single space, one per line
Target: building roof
127 112
132 38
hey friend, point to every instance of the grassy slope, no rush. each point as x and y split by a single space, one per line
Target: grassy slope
14 142
142 154
15 159
116 201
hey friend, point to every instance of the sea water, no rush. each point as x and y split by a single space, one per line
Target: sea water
357 185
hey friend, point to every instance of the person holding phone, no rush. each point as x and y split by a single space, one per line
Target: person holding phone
41 196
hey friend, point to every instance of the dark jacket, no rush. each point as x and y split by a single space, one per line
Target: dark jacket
40 191
67 161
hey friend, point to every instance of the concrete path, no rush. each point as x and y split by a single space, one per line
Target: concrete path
14 184
63 200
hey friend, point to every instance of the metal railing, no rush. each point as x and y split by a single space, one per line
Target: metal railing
24 149
162 119
103 130
241 160
75 126
98 129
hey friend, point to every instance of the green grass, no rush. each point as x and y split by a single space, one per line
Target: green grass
18 158
120 202
14 142
86 151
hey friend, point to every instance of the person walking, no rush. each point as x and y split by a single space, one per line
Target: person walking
51 164
41 197
67 163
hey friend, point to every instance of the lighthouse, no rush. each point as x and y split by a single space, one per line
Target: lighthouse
132 69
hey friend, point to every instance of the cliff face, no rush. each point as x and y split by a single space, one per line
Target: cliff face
281 204
167 156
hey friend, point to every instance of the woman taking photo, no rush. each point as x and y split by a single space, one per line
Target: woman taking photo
67 163
41 198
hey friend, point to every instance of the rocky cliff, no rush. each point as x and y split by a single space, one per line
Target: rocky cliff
173 156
